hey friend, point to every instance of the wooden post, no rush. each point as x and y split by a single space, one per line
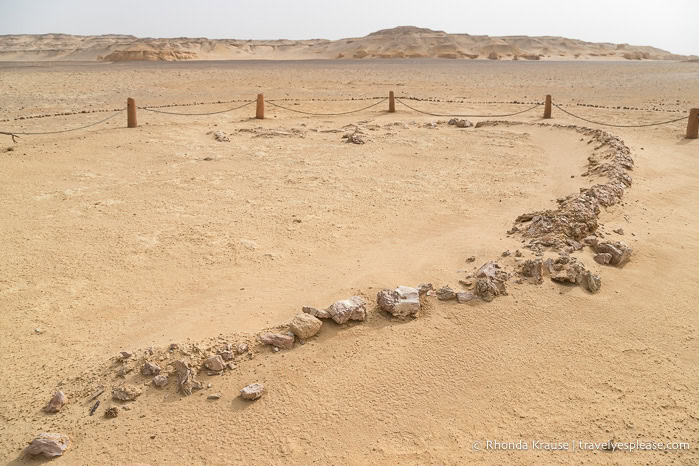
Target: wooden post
693 124
391 102
547 107
260 114
131 113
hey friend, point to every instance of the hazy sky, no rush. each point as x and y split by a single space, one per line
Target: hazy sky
668 24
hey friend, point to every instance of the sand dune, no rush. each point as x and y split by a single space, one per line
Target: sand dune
399 42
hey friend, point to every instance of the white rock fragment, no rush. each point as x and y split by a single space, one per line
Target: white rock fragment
160 381
242 348
464 297
404 301
252 391
353 308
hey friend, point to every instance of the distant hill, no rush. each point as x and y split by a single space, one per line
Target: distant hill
399 42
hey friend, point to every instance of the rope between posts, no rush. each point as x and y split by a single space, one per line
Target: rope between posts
467 116
615 125
195 114
327 114
16 134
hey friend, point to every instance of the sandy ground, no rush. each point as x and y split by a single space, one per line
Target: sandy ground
120 238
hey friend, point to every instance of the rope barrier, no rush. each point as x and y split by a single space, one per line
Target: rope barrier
195 114
15 134
467 116
326 114
615 125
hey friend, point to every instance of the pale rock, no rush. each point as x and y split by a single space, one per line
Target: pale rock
620 251
592 281
305 325
149 369
353 308
242 348
252 391
126 393
603 258
186 378
533 268
160 381
445 293
317 313
404 301
277 340
215 363
464 297
56 403
48 444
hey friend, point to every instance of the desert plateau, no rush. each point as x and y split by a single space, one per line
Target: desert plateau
281 264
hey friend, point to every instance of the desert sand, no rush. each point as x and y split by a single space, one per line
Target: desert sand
119 239
398 42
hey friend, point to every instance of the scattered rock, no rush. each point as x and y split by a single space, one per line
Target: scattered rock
493 271
252 391
214 396
471 259
305 325
619 231
186 378
445 293
220 136
533 268
126 393
277 340
590 240
48 444
149 369
160 381
227 355
423 288
487 289
620 251
126 354
242 348
464 297
459 123
603 258
567 270
317 313
404 301
215 363
592 281
353 308
506 253
56 403
111 412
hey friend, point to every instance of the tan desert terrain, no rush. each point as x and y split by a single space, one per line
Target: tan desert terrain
398 42
118 239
